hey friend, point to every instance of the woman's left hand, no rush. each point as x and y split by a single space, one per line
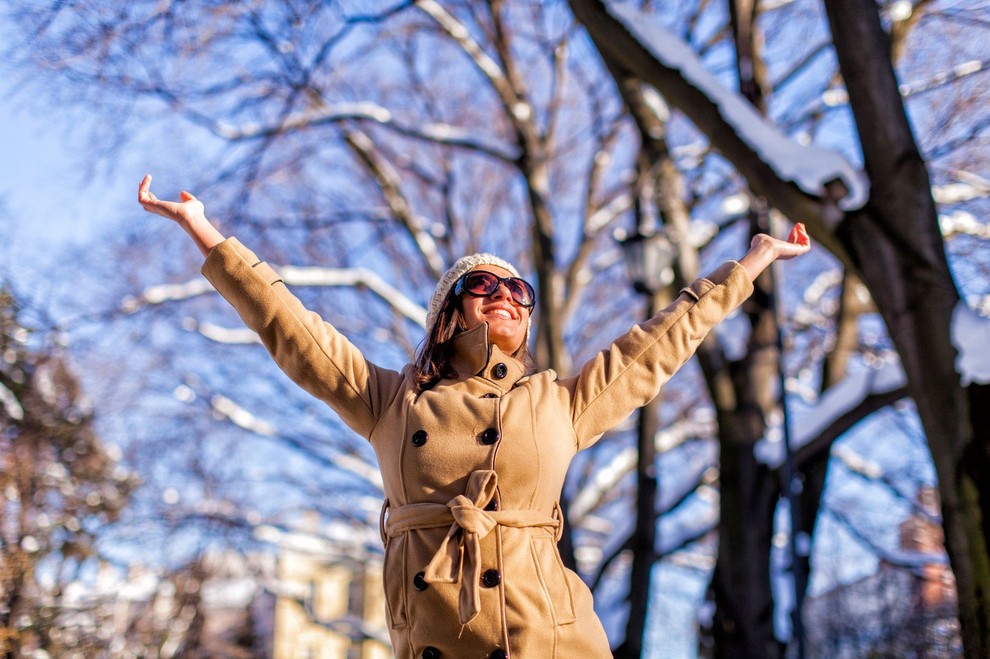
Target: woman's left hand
764 250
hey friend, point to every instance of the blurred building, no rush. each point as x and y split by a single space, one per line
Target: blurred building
908 608
330 603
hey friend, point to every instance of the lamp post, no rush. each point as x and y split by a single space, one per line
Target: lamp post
649 261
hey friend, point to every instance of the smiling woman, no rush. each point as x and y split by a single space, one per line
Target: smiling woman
473 445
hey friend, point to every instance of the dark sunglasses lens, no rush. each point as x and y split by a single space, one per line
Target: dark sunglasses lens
521 292
481 283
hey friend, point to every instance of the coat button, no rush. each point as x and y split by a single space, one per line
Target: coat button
419 581
491 578
491 506
490 436
431 652
419 437
500 371
489 395
498 654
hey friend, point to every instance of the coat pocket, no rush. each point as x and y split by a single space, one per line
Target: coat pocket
394 577
553 578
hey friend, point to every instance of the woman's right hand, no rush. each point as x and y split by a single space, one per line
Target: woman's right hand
189 213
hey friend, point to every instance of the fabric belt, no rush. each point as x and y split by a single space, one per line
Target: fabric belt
460 551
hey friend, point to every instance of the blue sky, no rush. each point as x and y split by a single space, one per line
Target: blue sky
53 192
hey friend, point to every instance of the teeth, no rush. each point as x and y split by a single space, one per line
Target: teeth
502 313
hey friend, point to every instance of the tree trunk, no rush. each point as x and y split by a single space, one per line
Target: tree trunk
896 244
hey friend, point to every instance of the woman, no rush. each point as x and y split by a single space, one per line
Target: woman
472 446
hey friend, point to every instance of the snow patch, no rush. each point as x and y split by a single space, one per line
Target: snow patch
839 399
971 337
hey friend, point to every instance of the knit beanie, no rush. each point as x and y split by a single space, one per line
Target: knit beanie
461 266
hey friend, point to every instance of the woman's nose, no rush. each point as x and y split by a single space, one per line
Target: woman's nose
501 292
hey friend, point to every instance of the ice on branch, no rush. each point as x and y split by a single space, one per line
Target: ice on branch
810 167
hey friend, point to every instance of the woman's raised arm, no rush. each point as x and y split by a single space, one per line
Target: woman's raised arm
189 213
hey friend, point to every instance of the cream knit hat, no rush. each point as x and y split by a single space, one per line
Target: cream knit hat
461 266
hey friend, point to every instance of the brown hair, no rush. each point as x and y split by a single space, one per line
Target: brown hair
433 360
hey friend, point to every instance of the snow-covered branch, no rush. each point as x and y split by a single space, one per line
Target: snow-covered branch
292 276
390 184
440 133
842 399
623 463
488 66
756 148
971 336
946 77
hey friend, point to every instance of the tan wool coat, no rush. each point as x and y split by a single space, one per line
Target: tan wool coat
473 467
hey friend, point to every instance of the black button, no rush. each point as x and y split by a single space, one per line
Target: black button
491 505
419 581
491 578
490 436
419 437
431 653
500 371
490 396
498 654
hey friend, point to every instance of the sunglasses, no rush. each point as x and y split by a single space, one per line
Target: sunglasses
481 283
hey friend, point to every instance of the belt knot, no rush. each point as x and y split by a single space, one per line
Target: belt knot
460 551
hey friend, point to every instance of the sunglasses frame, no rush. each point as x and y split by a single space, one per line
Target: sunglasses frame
461 288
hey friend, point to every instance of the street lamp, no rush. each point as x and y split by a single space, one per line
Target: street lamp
649 261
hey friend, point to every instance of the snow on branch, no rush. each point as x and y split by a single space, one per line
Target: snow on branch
441 133
814 170
971 336
840 399
218 334
946 77
10 403
241 417
292 276
968 186
317 276
520 109
961 222
606 477
247 420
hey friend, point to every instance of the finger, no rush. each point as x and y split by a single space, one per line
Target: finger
799 235
186 196
144 186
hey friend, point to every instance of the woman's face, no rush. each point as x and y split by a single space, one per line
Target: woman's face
507 321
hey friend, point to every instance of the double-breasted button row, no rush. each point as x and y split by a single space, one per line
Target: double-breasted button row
490 436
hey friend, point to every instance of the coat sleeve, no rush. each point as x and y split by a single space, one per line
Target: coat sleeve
629 373
309 350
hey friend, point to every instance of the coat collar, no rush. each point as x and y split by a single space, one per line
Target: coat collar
474 356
